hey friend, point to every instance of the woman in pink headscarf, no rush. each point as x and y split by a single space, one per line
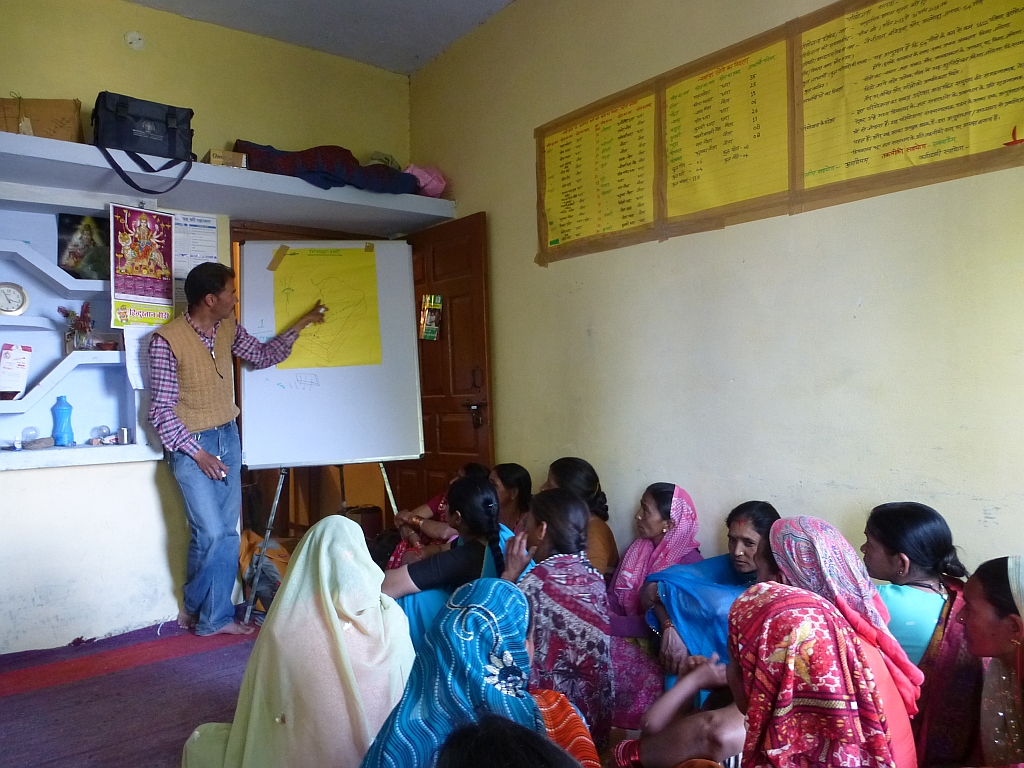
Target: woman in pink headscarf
811 554
667 526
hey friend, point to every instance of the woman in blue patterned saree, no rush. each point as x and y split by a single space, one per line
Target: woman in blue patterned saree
474 662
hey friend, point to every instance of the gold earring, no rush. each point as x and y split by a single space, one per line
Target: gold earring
664 530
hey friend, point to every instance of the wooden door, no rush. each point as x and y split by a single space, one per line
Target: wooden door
455 371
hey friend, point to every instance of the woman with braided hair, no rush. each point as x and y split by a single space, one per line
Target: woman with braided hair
422 588
578 477
568 604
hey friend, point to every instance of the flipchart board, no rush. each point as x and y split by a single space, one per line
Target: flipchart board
350 391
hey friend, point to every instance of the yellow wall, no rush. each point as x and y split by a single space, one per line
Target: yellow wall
241 86
827 362
93 551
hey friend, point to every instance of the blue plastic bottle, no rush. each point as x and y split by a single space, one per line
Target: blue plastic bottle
62 434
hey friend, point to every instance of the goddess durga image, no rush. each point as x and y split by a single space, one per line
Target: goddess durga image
141 250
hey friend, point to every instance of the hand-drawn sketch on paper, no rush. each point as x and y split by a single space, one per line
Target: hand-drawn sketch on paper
345 280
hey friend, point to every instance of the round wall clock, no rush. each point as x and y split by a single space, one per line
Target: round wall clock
13 299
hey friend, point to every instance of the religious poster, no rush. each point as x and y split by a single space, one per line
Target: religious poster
82 245
142 252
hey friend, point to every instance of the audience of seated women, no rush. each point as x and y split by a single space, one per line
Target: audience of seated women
514 487
910 545
475 661
666 523
811 554
820 663
800 675
330 663
578 477
690 603
425 529
994 629
568 606
421 588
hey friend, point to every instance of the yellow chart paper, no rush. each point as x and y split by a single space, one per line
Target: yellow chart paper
908 82
727 137
600 174
345 280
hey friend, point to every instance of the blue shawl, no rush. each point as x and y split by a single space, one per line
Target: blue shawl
697 598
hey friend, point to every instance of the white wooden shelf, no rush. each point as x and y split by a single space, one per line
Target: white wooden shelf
58 374
30 321
69 287
28 163
78 455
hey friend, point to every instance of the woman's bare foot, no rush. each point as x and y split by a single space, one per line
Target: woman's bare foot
234 629
186 620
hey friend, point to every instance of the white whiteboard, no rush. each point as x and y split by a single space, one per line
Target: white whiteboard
345 415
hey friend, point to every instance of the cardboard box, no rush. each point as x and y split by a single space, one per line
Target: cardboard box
49 118
224 157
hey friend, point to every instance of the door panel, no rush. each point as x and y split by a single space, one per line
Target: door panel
465 354
458 436
433 369
453 259
450 259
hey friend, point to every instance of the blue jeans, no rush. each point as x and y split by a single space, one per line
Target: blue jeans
212 508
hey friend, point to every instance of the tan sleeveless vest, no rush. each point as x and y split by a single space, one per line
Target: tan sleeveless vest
205 399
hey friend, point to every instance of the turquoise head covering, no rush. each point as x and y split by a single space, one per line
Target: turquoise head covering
473 663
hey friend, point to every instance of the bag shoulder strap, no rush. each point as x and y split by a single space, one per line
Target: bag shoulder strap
145 166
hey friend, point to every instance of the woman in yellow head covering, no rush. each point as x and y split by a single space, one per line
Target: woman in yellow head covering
330 664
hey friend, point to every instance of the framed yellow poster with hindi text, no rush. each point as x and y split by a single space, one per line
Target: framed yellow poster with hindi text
907 83
727 133
599 173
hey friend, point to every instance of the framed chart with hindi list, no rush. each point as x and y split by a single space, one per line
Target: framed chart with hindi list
861 98
596 176
727 141
908 92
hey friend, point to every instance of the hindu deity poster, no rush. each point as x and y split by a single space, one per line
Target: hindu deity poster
142 252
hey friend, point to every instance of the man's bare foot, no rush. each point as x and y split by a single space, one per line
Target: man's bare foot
234 629
186 620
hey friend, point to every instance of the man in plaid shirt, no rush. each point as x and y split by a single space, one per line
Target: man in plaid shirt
193 410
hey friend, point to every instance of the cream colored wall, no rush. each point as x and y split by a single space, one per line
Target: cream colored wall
826 362
241 86
93 551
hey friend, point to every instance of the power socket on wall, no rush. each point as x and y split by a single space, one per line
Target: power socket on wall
134 40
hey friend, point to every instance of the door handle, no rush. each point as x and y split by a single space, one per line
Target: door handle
476 412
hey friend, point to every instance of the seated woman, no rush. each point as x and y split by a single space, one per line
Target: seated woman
799 674
690 603
419 540
568 606
911 546
994 629
514 487
328 666
577 476
421 588
811 554
667 526
475 661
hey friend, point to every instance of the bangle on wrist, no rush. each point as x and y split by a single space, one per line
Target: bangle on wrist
415 522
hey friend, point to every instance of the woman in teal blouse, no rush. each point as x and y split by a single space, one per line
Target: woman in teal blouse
910 545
